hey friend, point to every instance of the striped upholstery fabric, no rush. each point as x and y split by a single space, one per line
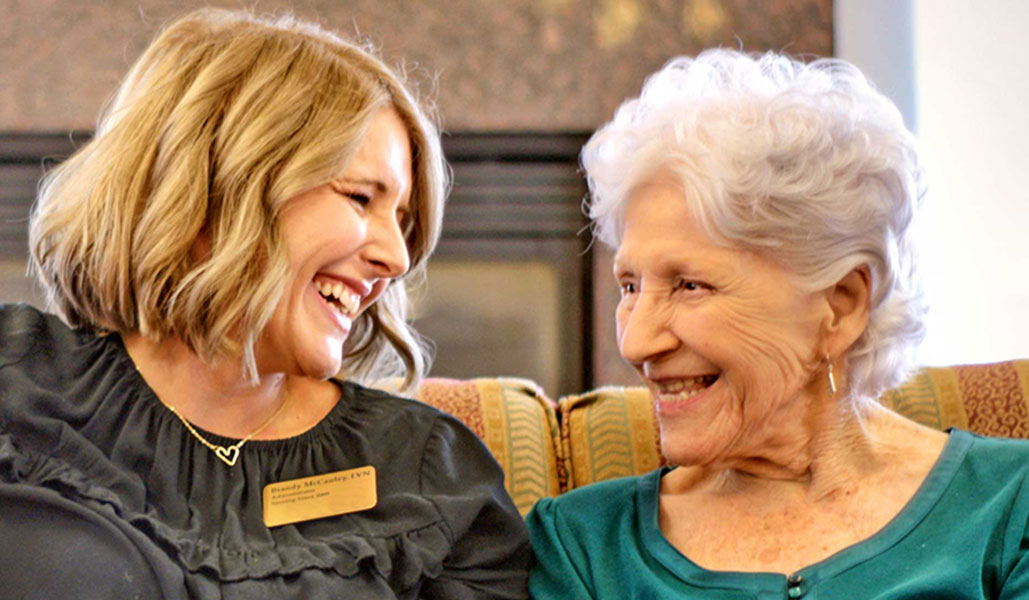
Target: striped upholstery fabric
517 423
606 433
612 432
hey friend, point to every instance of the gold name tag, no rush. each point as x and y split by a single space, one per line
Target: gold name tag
319 496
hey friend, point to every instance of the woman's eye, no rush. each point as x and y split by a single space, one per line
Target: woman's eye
350 194
361 199
627 287
690 285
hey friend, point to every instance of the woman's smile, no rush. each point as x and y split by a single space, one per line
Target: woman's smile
345 243
341 309
719 334
674 394
339 296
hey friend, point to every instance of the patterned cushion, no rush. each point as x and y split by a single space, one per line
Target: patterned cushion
990 399
517 423
612 432
608 432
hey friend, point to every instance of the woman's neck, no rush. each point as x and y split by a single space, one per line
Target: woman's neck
220 398
820 452
761 516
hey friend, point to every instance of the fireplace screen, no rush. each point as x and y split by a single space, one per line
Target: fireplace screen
508 291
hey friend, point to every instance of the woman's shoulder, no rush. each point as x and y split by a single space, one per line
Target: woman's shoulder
595 502
29 333
39 350
410 428
988 471
377 407
984 444
578 525
1004 455
431 459
614 489
22 324
13 313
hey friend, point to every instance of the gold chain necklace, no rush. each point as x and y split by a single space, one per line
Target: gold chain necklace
228 455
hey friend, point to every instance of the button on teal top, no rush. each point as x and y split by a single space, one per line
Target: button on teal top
963 535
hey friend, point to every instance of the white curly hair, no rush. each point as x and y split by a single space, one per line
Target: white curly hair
805 163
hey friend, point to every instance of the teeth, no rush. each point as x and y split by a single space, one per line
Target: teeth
347 301
683 394
687 387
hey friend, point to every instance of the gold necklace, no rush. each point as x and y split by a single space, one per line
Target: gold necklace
228 455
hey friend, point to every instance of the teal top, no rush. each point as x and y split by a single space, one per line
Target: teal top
963 535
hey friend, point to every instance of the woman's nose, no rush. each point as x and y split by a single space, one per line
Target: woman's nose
387 249
644 331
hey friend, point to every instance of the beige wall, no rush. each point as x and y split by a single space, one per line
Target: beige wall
539 65
974 131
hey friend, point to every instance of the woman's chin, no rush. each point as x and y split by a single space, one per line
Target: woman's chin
679 456
320 374
321 365
689 448
324 370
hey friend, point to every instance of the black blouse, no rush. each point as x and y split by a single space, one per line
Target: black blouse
110 496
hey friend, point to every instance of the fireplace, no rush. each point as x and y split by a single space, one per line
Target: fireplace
510 288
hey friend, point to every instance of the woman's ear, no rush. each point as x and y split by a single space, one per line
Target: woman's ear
849 300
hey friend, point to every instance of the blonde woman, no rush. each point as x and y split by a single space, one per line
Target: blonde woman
236 236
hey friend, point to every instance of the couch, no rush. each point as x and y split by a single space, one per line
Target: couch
547 447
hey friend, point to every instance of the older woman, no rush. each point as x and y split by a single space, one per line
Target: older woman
761 212
239 232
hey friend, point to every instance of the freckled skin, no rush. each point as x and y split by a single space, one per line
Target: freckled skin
737 316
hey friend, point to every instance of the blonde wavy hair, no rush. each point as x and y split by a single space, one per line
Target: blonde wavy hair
224 118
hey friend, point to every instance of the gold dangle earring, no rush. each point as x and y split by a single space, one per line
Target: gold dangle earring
832 380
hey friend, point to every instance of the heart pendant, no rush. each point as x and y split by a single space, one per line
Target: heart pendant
228 455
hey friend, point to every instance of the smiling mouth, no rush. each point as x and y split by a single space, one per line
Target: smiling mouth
685 388
340 297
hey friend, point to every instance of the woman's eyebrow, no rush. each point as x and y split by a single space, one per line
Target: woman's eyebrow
378 184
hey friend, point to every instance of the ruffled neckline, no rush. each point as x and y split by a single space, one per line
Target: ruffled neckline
122 360
119 450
